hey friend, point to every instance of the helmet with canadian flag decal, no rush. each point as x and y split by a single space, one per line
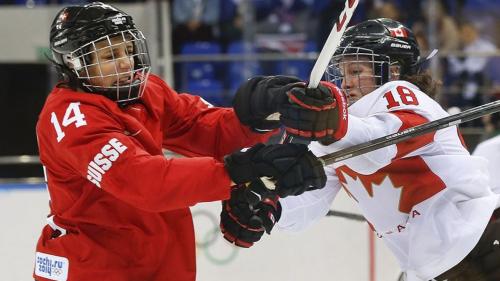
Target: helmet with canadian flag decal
387 42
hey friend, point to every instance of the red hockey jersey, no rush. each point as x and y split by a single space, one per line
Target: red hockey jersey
119 208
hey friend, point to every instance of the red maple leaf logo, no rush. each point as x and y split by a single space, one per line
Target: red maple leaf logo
402 173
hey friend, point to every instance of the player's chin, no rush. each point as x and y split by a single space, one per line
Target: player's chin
121 83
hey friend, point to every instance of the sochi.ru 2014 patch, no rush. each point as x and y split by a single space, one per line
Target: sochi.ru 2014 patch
51 267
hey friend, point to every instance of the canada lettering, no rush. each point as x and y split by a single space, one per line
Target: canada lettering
400 227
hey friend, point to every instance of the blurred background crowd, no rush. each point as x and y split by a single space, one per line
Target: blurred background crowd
216 44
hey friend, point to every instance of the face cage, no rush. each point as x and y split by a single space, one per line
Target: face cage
335 72
80 62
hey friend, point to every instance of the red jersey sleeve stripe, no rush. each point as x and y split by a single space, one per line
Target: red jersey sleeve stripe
464 144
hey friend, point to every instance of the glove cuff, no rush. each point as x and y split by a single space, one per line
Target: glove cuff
341 100
279 209
239 173
273 213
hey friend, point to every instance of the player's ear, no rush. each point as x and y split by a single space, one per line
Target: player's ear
395 72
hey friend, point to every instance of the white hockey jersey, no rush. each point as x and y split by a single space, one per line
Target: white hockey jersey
490 149
426 197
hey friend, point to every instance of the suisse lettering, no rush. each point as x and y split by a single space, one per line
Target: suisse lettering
103 161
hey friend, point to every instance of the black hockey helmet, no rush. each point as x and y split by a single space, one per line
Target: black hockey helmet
73 37
387 42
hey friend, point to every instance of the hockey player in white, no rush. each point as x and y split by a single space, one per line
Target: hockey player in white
490 149
427 198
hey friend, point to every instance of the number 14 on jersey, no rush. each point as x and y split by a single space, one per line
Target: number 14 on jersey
72 115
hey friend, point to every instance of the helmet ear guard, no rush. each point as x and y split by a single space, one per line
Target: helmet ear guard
72 63
384 74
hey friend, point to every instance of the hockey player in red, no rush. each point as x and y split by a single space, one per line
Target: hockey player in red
427 198
119 210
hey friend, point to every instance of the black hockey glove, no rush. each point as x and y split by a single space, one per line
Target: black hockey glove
291 166
315 114
242 223
485 257
260 97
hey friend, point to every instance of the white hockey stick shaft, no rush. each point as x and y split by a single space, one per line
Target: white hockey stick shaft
329 48
452 120
332 43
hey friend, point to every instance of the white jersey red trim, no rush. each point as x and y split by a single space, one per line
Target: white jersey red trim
426 198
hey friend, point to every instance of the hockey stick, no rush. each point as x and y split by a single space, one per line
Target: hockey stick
452 120
329 48
332 43
346 215
319 68
375 144
362 148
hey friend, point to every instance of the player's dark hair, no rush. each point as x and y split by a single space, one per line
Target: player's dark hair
425 82
65 77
